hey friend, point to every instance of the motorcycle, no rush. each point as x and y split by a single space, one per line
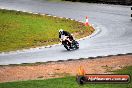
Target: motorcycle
69 45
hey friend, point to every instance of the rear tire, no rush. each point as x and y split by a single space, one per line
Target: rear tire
66 47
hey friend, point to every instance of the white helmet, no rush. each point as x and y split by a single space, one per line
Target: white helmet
61 30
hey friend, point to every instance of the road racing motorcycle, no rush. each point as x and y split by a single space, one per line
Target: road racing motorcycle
67 42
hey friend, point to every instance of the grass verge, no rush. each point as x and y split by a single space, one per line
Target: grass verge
20 30
67 82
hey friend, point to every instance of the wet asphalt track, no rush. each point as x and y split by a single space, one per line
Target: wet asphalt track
112 22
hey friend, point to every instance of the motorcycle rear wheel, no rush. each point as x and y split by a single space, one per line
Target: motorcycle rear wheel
67 47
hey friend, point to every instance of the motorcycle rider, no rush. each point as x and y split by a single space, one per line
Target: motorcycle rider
65 33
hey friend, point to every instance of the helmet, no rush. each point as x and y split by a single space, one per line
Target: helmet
61 31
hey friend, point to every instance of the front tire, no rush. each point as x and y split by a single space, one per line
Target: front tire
76 44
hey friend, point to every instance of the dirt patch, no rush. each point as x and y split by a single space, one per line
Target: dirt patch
59 69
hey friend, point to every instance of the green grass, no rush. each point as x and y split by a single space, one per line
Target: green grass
67 82
20 30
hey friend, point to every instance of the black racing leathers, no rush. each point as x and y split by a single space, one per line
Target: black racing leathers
66 34
69 36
